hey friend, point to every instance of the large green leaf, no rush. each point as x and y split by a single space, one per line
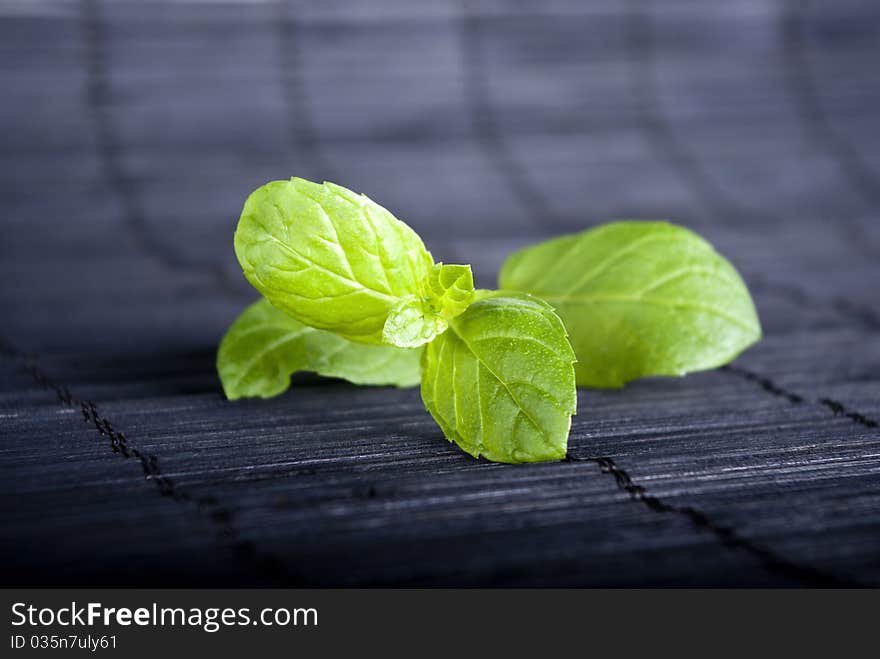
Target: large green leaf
500 381
328 257
639 299
265 346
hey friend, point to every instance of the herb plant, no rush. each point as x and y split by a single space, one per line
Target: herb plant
351 292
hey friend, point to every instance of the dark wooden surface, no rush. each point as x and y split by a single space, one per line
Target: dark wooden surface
131 133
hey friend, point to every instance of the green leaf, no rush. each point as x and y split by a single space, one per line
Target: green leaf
639 299
408 324
328 257
500 381
265 346
448 289
445 292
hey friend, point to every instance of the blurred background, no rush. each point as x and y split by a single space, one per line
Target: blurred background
133 131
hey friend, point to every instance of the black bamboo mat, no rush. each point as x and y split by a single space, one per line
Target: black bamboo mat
131 134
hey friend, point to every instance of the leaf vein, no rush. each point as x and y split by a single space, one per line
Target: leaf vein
343 278
614 258
520 408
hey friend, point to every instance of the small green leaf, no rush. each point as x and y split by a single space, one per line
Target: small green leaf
500 381
265 346
448 289
639 299
328 257
445 293
410 325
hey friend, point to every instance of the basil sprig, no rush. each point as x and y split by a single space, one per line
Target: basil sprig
351 292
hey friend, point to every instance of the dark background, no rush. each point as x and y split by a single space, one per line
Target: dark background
133 131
